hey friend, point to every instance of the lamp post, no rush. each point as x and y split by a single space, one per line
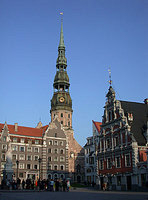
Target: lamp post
17 163
40 160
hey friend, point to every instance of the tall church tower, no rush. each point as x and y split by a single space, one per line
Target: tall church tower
61 103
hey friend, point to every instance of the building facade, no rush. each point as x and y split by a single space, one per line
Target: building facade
49 151
123 142
91 164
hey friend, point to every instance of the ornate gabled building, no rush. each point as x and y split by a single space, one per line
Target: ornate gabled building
49 151
123 142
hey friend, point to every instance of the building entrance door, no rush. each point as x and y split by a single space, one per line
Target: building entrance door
101 182
128 180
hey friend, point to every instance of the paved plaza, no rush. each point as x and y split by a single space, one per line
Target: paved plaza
80 194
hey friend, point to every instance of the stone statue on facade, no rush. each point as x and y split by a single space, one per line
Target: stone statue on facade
9 153
8 171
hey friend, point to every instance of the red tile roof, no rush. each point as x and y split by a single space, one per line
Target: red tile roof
24 131
97 124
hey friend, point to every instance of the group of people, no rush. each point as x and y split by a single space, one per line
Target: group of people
30 184
58 185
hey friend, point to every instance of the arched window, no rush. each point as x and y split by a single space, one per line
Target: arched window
62 176
49 176
61 114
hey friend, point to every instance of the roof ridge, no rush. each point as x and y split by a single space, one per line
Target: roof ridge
133 102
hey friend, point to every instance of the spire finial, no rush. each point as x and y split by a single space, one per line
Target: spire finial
110 81
61 13
61 44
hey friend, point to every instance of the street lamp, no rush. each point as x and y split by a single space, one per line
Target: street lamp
40 160
17 163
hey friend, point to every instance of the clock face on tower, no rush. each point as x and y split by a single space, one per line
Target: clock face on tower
62 99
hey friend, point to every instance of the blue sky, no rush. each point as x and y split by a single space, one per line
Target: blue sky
98 35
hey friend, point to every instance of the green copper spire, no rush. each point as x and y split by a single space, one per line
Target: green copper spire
61 44
61 99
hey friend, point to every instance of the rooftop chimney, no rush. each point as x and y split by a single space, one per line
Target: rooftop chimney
16 127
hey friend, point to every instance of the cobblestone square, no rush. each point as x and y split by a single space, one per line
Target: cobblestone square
73 195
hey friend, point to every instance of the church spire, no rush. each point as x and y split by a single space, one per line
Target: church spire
61 44
61 103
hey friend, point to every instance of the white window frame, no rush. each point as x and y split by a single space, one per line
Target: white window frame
50 167
30 157
35 168
4 146
2 165
54 167
62 159
21 165
63 167
30 166
15 139
63 152
35 150
21 147
56 143
56 158
51 142
37 158
21 157
48 159
48 150
14 155
3 154
14 147
30 149
36 142
56 151
22 140
61 143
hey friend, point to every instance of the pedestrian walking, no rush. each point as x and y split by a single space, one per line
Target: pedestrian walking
68 185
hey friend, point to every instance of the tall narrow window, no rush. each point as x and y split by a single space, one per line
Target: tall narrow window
127 160
109 116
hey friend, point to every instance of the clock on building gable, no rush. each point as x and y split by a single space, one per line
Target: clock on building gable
62 99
